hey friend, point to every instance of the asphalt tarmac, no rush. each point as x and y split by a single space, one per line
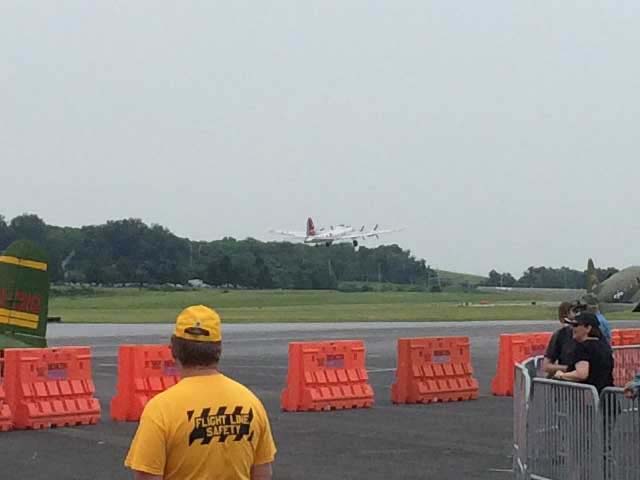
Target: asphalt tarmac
463 440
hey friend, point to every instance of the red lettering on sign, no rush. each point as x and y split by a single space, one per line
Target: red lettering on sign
23 302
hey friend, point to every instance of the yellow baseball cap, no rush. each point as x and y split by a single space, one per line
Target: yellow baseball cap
198 323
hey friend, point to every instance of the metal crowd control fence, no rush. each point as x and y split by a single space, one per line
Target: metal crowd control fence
620 418
563 434
565 430
524 372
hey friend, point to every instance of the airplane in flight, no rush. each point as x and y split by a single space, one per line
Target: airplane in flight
334 234
24 296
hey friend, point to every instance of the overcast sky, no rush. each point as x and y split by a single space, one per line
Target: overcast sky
501 134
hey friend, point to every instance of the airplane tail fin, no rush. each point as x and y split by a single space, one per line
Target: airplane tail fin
24 295
592 281
311 229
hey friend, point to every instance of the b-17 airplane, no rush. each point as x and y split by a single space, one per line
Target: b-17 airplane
619 291
334 234
24 296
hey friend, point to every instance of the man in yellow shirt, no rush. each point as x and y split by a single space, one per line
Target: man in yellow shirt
207 426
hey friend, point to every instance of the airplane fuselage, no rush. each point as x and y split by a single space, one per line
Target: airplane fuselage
623 286
332 235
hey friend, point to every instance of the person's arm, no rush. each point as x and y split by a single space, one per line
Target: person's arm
260 472
147 476
147 454
632 388
580 374
551 368
551 355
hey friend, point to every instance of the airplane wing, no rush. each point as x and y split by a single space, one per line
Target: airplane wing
287 233
371 233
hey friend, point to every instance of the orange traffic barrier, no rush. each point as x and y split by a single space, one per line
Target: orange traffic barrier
514 348
6 421
326 376
143 372
626 364
625 336
434 369
50 387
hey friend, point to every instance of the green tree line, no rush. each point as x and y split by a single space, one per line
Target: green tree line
129 251
545 277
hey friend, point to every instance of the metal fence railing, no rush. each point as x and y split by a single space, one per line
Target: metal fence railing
563 437
565 430
521 391
620 419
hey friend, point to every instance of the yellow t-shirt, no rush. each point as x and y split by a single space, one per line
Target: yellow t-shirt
203 427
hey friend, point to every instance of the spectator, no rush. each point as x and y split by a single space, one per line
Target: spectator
632 389
559 354
590 304
207 425
593 357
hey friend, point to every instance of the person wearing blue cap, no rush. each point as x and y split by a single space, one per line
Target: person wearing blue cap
589 303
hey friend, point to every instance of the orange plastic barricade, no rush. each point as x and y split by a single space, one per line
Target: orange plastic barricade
436 369
326 376
50 387
143 372
514 348
6 421
626 364
625 336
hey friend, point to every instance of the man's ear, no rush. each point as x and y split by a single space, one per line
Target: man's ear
173 351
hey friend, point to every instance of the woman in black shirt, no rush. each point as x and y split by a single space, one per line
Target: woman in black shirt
592 358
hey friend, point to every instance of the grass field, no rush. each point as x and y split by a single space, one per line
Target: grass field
144 306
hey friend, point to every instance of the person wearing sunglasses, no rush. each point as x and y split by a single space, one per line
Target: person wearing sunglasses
593 358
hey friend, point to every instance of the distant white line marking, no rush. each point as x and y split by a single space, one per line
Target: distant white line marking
390 451
503 470
376 370
107 364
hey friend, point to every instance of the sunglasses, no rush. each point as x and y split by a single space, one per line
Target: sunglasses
574 325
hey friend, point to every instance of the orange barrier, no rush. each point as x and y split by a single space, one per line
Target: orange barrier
143 372
6 421
626 364
625 336
326 376
434 370
514 348
50 387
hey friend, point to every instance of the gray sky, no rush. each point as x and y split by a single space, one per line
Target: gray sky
501 134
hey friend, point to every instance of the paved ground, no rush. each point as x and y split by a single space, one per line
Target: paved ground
467 440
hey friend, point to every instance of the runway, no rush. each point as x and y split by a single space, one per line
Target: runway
466 440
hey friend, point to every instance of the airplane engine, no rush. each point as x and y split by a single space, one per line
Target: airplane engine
328 244
355 243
